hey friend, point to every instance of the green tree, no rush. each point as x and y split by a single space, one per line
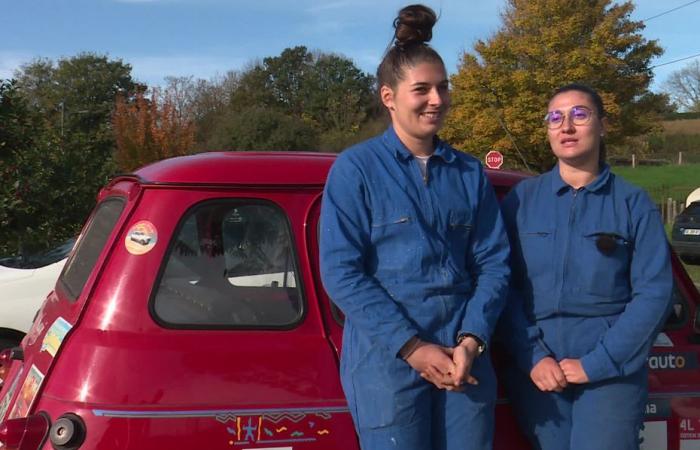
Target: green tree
324 98
500 92
52 173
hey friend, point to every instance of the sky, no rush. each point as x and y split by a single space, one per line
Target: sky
207 38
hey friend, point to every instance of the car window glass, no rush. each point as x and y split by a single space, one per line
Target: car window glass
692 210
230 265
679 310
79 266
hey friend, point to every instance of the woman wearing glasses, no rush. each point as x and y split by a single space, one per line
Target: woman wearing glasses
591 286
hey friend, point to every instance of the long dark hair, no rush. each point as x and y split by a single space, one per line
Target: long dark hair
413 29
597 103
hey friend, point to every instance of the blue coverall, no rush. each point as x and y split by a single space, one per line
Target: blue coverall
591 280
404 255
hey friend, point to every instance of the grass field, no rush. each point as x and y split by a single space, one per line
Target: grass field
662 182
687 126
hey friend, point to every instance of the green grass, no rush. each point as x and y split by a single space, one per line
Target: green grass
662 182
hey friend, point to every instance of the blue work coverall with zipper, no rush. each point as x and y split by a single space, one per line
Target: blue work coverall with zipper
406 255
592 281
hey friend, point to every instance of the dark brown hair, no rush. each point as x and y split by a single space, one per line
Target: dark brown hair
409 47
597 103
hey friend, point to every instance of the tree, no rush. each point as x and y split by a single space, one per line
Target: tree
500 93
260 128
149 129
683 86
324 97
62 149
30 208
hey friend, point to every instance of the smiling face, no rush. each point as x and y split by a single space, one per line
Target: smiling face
418 105
576 145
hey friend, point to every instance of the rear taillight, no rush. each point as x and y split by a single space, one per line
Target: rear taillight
27 433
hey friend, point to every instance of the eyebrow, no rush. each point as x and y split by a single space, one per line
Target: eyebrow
423 83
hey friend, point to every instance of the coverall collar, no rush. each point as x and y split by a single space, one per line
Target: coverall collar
559 185
392 140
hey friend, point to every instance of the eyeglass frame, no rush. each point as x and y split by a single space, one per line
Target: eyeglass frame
567 116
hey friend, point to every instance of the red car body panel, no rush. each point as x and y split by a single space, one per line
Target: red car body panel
140 383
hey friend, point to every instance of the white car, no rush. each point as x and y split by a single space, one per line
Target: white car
24 284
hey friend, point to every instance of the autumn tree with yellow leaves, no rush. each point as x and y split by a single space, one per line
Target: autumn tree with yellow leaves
500 92
148 129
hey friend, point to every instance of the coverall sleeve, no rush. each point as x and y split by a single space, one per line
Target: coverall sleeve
488 264
521 337
624 348
344 242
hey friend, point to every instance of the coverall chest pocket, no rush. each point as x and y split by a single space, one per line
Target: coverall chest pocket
604 260
538 263
396 239
459 231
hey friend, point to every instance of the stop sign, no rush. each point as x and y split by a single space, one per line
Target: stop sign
494 159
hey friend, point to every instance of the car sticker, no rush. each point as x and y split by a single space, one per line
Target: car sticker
141 238
654 436
673 361
689 433
658 408
54 337
662 340
8 396
27 394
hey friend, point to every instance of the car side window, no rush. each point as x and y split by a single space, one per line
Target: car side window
231 264
88 248
679 309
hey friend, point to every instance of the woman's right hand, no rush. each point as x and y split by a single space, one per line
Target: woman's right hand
548 376
434 363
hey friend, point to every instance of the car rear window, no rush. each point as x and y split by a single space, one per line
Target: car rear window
79 266
231 264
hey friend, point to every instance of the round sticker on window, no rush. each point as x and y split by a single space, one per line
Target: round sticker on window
141 238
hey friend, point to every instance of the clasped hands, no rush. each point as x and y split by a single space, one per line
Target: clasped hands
552 376
446 367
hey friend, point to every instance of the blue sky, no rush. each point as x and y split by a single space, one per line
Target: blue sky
205 38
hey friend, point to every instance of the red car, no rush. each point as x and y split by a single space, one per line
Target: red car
191 315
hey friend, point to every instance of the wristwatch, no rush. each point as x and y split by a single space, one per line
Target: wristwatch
481 345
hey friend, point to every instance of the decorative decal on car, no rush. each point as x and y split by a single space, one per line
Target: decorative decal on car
54 337
658 408
673 361
689 433
654 436
662 340
8 395
264 429
27 394
255 426
141 238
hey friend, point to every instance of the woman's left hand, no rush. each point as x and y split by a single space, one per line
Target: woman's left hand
573 371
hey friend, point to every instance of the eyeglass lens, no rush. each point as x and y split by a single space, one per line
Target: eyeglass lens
580 115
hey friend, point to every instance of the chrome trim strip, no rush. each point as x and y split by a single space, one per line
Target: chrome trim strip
217 413
652 395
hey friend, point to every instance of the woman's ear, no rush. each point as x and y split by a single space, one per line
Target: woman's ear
603 126
387 96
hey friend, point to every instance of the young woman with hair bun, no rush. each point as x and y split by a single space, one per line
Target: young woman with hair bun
414 252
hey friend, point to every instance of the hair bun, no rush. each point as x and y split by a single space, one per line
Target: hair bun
414 25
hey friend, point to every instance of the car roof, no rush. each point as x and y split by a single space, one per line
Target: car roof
261 168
